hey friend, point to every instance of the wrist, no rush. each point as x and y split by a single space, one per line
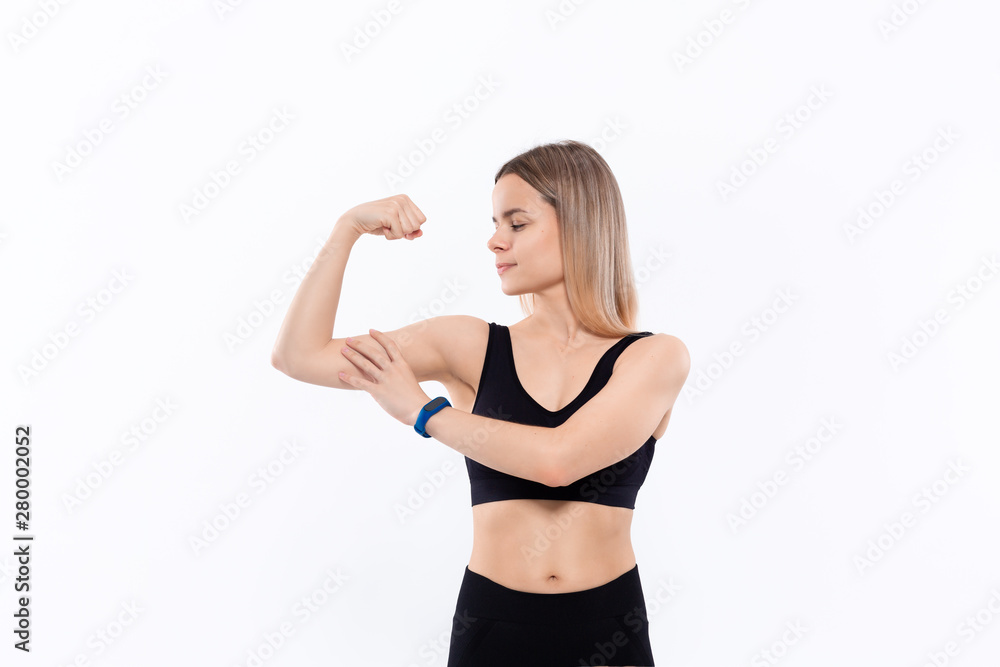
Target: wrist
344 231
428 412
416 413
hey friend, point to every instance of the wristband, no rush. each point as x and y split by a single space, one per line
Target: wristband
425 413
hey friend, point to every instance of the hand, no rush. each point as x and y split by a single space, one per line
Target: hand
394 217
395 387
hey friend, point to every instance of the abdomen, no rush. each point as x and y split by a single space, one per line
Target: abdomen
551 546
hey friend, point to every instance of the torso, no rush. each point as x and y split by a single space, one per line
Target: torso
545 546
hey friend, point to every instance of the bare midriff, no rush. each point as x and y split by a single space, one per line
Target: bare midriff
551 546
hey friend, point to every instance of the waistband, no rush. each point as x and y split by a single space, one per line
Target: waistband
482 597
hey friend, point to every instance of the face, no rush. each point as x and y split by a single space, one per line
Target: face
527 238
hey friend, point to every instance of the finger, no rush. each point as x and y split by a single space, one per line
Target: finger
355 381
414 211
374 357
389 221
361 374
415 215
389 226
397 221
386 342
411 216
360 361
406 223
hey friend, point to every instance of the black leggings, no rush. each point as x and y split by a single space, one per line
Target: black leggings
496 625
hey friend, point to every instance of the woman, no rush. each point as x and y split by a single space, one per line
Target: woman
558 442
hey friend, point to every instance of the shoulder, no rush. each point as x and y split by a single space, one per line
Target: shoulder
671 345
664 352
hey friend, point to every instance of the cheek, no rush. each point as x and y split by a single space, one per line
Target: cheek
553 251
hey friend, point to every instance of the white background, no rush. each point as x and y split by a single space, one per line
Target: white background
187 321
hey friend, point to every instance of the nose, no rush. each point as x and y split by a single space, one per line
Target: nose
495 242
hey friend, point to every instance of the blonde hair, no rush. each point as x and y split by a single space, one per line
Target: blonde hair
574 179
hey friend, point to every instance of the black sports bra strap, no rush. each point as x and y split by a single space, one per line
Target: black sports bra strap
611 356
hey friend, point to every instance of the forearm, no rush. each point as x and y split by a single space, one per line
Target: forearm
528 452
308 323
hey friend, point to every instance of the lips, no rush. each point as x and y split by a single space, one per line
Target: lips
501 268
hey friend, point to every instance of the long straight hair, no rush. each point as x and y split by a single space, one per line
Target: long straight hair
574 179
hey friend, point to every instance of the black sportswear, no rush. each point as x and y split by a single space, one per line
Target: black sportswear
502 396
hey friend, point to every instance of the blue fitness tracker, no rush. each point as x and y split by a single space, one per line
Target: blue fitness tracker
425 413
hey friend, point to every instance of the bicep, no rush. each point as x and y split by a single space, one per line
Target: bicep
422 345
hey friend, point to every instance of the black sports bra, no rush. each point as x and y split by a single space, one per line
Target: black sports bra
501 393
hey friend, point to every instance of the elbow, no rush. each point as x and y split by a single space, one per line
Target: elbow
554 472
553 478
279 362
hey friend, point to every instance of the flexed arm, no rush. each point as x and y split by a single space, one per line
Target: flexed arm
303 347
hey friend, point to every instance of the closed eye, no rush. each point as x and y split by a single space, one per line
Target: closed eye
516 227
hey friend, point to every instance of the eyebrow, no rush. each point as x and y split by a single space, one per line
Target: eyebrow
511 212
